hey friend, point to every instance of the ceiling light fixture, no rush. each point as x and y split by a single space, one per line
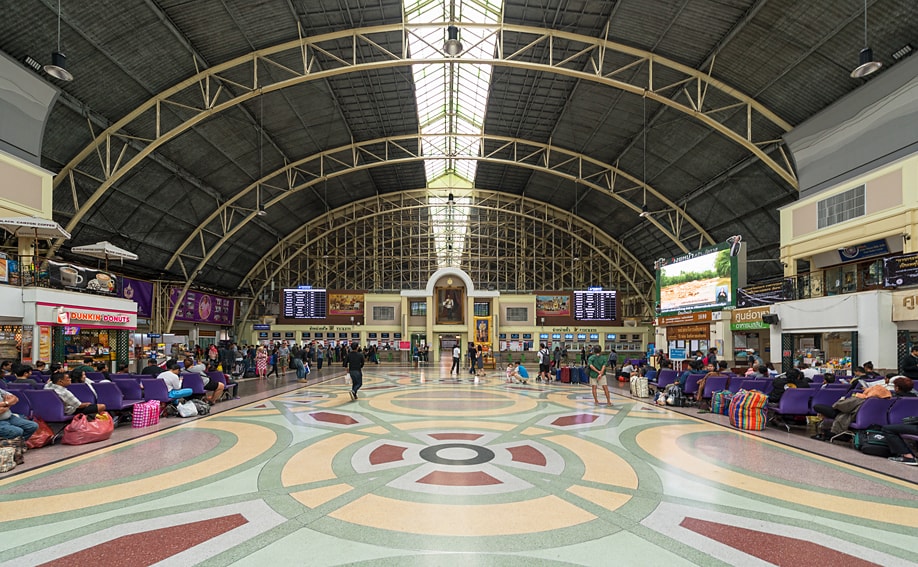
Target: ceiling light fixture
452 47
644 212
58 66
259 205
867 64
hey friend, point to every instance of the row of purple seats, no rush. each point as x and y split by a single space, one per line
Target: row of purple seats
874 411
877 411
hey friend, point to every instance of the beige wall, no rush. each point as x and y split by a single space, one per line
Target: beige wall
25 189
891 211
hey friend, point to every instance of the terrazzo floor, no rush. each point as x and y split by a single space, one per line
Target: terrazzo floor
428 469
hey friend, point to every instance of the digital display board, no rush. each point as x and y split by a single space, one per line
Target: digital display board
594 304
703 279
305 303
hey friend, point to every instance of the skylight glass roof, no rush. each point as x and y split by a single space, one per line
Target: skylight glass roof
451 99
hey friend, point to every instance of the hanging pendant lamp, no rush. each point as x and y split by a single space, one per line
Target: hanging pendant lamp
58 66
867 64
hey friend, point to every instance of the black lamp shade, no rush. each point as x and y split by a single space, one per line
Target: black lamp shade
58 67
452 47
867 64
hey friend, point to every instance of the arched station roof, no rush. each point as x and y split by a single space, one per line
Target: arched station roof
183 117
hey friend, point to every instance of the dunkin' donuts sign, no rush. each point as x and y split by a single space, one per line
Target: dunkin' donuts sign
92 317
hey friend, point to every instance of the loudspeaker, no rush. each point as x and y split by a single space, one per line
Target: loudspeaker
771 319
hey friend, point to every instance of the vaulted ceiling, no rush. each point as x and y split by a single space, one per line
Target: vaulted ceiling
185 117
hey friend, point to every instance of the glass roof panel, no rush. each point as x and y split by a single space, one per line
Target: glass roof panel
451 99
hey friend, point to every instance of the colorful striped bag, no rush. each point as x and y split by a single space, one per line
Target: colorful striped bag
720 402
747 410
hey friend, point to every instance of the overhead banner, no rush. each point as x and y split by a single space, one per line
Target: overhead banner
900 271
140 292
765 294
72 276
199 307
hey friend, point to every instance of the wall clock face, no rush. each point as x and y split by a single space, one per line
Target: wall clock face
449 281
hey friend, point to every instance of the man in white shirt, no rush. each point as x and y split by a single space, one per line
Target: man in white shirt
457 355
808 371
174 382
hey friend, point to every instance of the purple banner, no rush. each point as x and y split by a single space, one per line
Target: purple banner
140 292
201 307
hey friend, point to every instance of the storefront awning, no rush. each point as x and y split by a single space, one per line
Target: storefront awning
33 227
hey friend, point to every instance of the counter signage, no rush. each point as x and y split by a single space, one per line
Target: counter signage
154 335
900 271
749 319
683 319
864 250
261 327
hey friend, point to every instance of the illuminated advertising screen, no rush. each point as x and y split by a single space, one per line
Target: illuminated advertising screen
704 279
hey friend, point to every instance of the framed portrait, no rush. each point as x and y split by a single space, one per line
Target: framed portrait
483 330
450 310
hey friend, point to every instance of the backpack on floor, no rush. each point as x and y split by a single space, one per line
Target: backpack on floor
202 407
675 397
871 442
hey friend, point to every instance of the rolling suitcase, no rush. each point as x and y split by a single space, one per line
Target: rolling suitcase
566 375
584 375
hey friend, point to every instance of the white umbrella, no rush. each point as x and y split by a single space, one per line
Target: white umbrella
104 250
33 227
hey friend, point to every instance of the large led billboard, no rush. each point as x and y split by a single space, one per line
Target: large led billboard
703 279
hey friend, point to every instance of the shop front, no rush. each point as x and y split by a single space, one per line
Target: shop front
687 333
838 332
72 326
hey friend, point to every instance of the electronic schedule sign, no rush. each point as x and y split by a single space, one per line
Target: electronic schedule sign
305 303
595 304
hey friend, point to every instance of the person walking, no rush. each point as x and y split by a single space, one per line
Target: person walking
457 357
597 369
261 362
354 362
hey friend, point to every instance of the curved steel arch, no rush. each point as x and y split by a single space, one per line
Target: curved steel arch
111 146
322 166
620 259
405 156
